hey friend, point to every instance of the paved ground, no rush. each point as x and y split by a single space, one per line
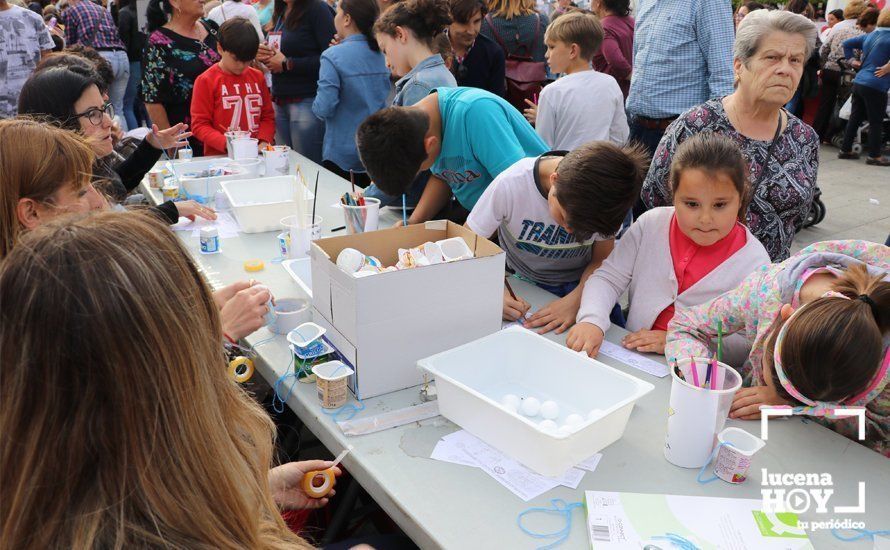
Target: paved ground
848 187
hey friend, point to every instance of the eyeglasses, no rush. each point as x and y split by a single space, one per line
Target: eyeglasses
95 114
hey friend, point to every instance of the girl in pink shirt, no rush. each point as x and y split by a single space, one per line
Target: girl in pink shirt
678 256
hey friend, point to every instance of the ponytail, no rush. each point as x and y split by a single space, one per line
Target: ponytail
364 13
426 19
157 14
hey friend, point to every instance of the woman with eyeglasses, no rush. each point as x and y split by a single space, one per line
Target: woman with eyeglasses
70 97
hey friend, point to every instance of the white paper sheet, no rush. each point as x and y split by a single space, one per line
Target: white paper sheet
591 463
635 520
225 224
465 449
634 359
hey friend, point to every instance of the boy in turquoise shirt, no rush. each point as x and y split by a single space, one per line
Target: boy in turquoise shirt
464 136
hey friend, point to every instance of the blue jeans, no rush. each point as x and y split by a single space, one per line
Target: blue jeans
130 95
648 138
616 316
298 128
120 66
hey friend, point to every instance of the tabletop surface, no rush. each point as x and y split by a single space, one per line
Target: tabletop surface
451 506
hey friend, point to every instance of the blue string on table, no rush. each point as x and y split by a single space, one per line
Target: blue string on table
861 534
558 507
678 541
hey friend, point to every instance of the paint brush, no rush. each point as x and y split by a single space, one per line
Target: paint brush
315 198
352 181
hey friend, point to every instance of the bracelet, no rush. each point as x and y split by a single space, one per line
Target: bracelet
229 338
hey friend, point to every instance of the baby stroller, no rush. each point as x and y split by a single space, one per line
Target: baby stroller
817 211
844 109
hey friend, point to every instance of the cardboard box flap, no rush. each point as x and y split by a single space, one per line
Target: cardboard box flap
384 244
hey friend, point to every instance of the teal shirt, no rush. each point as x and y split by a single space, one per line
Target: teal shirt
482 135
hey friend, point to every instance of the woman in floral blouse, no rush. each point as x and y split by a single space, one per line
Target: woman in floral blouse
178 51
771 48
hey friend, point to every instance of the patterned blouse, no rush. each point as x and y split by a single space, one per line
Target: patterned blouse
170 65
780 203
752 308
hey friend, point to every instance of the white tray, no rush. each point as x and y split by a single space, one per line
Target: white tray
259 204
471 380
301 271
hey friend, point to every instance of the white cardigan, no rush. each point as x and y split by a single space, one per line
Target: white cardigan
641 263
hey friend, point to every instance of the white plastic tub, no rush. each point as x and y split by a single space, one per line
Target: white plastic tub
471 380
204 189
259 204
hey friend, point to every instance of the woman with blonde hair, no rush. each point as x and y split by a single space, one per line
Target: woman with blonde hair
44 171
161 448
517 28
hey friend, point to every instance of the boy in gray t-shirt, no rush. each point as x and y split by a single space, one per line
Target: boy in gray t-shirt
555 216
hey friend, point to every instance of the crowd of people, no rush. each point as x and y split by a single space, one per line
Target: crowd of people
665 151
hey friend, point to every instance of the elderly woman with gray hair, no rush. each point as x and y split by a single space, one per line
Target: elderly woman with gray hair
771 49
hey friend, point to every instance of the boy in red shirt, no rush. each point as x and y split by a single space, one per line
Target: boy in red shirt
232 95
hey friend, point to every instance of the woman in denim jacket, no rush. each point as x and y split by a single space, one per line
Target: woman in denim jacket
353 83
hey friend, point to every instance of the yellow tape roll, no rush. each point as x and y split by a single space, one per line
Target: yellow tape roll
241 369
254 265
319 483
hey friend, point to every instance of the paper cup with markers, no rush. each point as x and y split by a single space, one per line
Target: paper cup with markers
277 159
696 414
362 219
300 235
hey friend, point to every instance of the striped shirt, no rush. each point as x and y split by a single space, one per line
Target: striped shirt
682 56
91 25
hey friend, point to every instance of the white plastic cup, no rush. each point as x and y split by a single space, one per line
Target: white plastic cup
331 381
737 449
697 415
248 166
245 148
454 249
301 237
361 219
289 313
232 135
277 160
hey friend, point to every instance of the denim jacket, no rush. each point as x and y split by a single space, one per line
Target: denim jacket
353 83
429 74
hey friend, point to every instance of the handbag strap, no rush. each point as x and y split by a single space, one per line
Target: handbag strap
497 35
769 152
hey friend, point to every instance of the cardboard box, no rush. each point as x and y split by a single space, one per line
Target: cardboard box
383 324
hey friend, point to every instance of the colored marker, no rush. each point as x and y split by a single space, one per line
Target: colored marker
694 371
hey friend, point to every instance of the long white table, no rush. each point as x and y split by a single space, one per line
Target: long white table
441 505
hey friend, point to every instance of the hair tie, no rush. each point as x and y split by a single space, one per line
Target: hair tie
865 298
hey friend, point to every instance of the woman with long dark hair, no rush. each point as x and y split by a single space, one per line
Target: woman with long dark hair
301 30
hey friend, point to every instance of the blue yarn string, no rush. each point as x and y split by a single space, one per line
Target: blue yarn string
680 542
279 401
558 507
861 534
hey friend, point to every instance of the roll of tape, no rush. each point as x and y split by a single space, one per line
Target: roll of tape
319 483
254 265
241 369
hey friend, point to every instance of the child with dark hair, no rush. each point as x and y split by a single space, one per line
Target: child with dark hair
677 256
556 216
478 60
465 136
232 95
819 327
353 83
407 33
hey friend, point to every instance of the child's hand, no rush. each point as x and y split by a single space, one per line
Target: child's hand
335 40
559 314
647 341
747 401
585 337
261 146
514 309
531 114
